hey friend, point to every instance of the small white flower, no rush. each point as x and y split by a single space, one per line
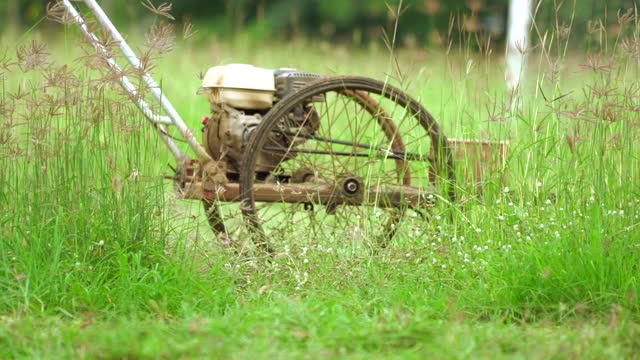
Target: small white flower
135 174
498 201
500 217
538 183
505 190
547 202
101 243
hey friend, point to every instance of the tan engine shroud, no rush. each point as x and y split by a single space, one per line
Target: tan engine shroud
240 86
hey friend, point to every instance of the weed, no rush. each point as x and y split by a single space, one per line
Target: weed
95 250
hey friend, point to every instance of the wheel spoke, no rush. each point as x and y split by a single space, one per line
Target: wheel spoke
363 130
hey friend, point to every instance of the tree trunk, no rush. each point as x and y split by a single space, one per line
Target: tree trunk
520 16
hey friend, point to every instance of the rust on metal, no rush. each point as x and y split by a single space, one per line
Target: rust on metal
389 129
382 196
480 161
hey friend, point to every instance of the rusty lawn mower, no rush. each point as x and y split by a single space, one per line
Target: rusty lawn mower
339 156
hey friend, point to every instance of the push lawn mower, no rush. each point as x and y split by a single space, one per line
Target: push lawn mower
338 156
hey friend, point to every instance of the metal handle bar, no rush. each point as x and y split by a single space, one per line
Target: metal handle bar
126 84
173 117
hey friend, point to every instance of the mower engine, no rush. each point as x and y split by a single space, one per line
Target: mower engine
240 95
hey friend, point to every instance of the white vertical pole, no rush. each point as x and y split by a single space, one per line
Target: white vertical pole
520 16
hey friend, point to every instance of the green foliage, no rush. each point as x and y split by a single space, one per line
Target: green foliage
99 260
83 221
347 20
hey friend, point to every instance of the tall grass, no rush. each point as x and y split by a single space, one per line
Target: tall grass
84 221
89 229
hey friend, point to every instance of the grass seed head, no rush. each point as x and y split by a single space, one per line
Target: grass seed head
32 56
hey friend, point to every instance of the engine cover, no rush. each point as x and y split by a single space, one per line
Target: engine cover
291 80
240 86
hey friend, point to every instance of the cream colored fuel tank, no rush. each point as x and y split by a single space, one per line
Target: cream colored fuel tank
240 86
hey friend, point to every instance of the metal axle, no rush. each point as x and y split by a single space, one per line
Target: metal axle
383 196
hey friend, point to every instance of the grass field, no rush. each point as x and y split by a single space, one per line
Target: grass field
99 260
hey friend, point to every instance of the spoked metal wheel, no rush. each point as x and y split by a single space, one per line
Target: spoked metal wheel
345 158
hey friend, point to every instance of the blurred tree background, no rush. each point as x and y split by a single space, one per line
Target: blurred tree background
423 22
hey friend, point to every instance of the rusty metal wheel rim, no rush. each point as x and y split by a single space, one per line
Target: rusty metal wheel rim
363 93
